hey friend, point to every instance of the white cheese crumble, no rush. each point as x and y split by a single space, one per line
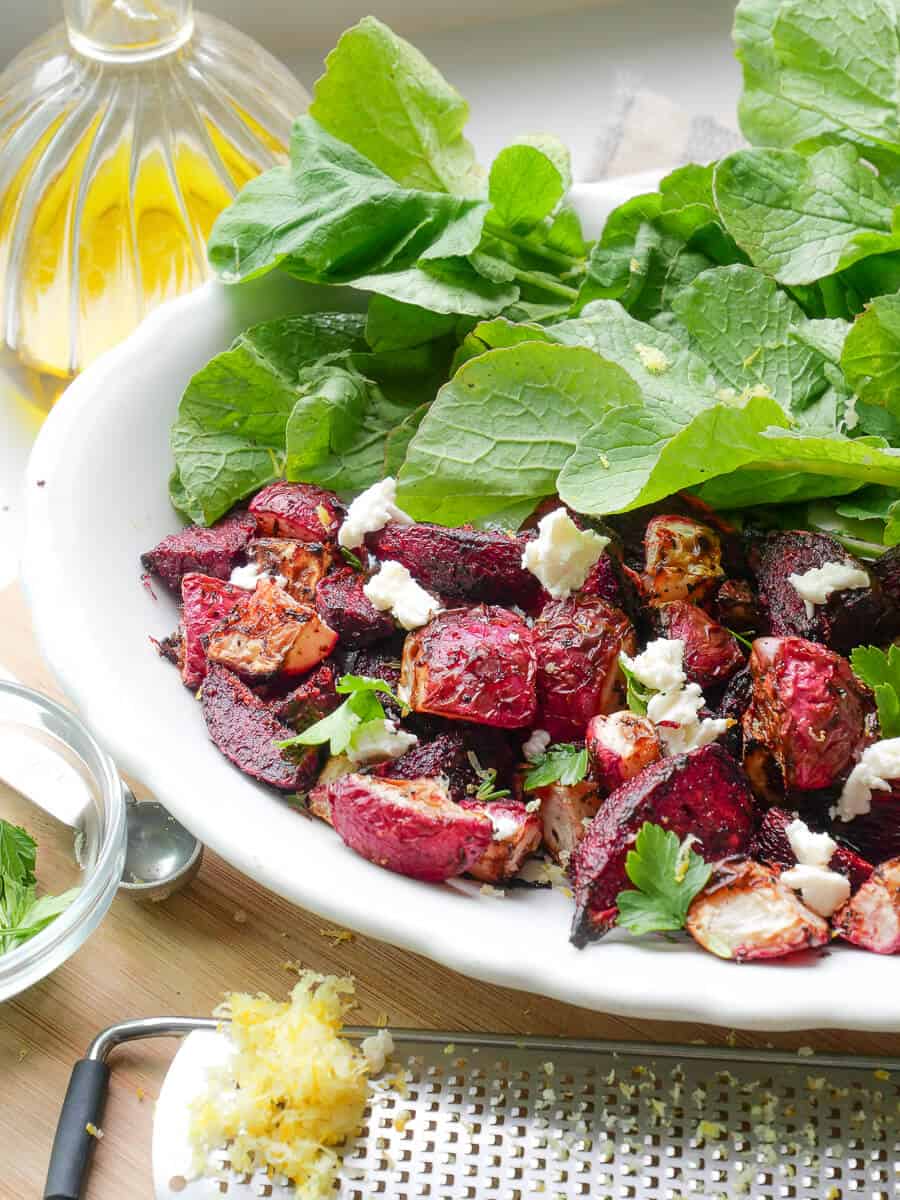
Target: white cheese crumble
561 556
816 585
377 1049
376 741
505 826
821 890
394 590
660 666
248 576
371 511
878 765
810 849
536 744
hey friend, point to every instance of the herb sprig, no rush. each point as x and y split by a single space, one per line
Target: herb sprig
667 874
22 913
563 763
881 672
360 710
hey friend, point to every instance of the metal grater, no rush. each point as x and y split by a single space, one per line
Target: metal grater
487 1120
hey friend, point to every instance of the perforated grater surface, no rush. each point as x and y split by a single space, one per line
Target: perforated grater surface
493 1118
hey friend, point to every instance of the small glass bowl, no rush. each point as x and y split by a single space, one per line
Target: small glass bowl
68 794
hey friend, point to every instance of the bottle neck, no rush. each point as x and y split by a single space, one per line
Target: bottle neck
128 30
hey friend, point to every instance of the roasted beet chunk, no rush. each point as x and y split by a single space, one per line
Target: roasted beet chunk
297 510
735 606
311 700
445 757
270 633
577 643
871 918
747 913
703 793
205 602
212 551
875 834
408 826
848 617
244 728
344 606
806 719
682 560
711 653
472 664
462 563
300 564
771 845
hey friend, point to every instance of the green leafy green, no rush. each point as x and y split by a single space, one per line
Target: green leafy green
880 670
667 875
339 728
637 694
22 913
526 183
392 325
871 354
563 763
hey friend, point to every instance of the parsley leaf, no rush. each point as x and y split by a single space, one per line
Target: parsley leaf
22 914
637 694
667 875
563 763
341 726
881 672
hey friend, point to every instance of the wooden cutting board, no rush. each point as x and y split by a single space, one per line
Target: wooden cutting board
226 932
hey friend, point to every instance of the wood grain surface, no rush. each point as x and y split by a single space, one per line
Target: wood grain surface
227 932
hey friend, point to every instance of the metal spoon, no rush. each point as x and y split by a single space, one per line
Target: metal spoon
161 856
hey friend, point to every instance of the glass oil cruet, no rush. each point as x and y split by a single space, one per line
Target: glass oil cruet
123 134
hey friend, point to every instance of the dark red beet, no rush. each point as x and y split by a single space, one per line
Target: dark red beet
711 653
344 606
770 845
735 606
849 617
806 716
445 757
205 602
312 700
472 664
887 571
577 643
703 792
297 510
212 551
732 706
463 563
245 729
876 834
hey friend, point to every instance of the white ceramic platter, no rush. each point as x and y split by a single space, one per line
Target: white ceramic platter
96 498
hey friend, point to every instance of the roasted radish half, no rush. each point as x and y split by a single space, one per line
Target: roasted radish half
566 812
871 918
301 564
408 825
516 835
746 912
620 745
205 602
682 560
297 510
212 552
711 653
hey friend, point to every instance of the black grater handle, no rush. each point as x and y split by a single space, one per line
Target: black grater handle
73 1144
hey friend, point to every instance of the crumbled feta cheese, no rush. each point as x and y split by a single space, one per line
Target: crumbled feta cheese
660 666
371 511
816 585
536 744
675 714
561 556
878 765
378 740
249 575
394 590
652 358
810 849
821 890
505 826
377 1050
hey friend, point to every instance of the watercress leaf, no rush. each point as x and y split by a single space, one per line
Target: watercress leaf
216 470
18 851
397 441
803 218
386 99
449 285
565 233
667 875
873 503
499 432
525 186
392 325
871 354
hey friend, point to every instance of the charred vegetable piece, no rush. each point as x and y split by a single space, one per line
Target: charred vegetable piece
806 721
874 835
462 563
205 602
577 642
682 560
314 698
445 757
566 812
847 618
245 729
302 564
612 581
342 604
297 510
620 746
736 607
711 653
409 826
212 552
771 845
270 633
516 835
887 571
472 664
703 793
871 918
747 913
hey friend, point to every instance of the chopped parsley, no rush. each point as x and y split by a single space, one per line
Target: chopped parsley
881 672
361 707
563 763
667 875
